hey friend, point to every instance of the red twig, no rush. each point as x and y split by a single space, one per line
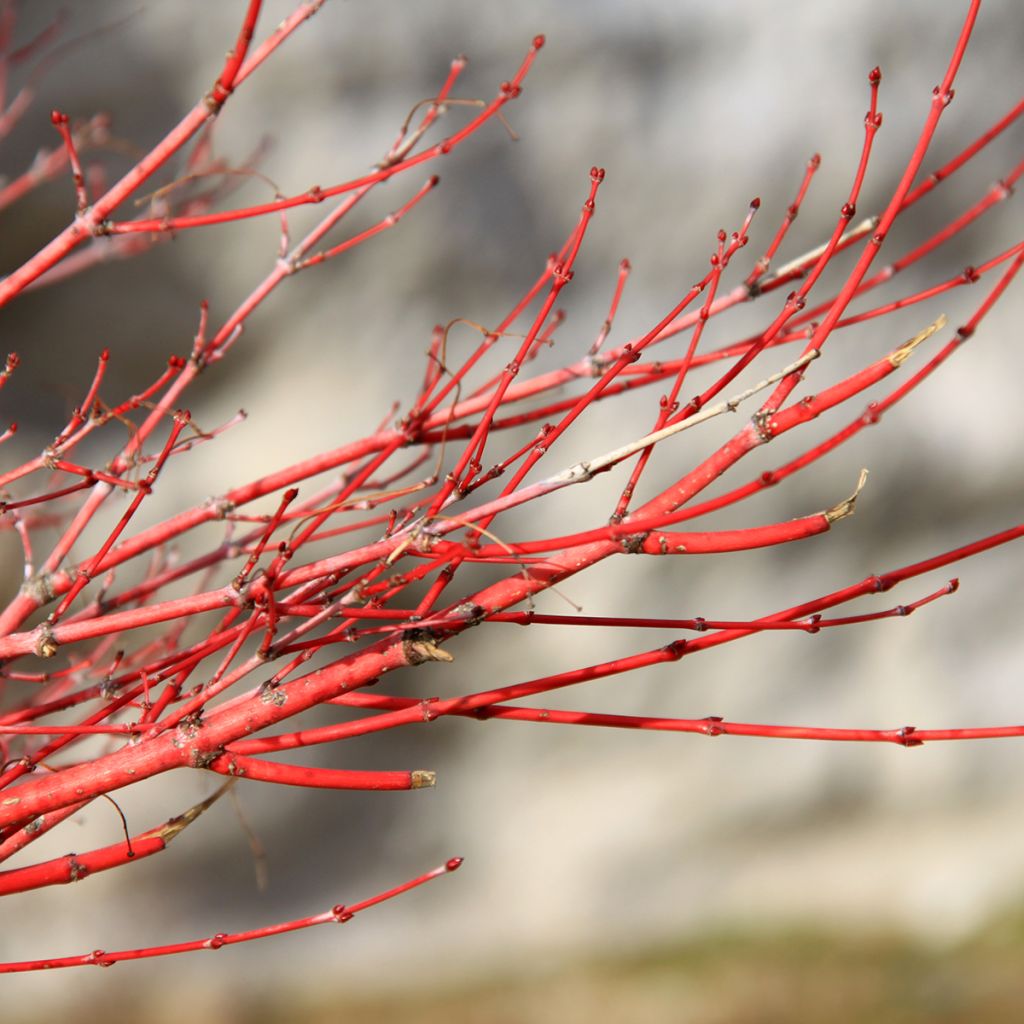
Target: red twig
338 914
369 569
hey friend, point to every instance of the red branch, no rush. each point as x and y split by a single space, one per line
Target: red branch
400 541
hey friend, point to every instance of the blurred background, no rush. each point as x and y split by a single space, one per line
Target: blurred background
608 875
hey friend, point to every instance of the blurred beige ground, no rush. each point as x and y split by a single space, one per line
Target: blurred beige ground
765 977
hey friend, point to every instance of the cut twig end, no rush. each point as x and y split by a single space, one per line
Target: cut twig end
846 508
420 649
900 356
171 828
